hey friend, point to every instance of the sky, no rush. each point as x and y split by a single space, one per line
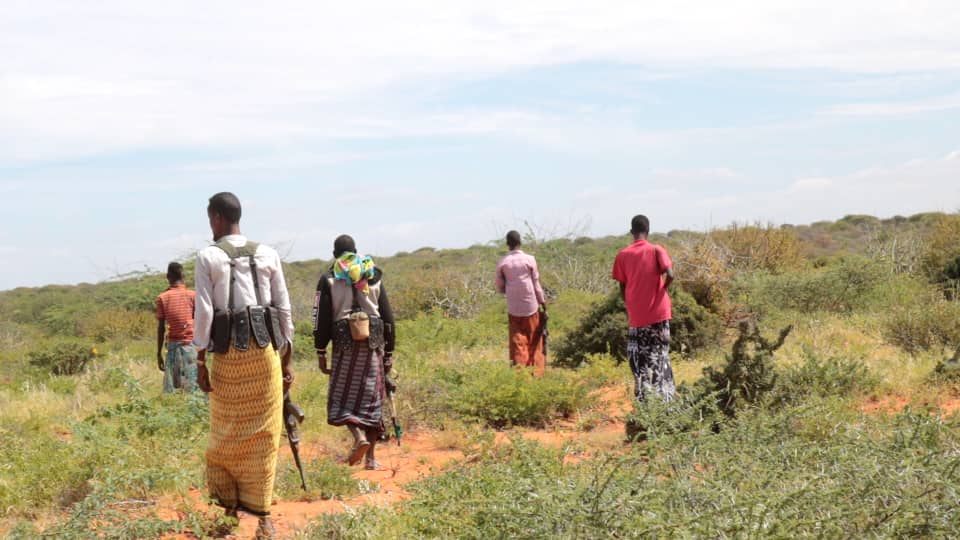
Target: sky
445 123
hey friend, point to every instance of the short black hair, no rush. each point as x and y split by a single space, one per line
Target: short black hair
343 244
513 239
227 205
175 272
640 224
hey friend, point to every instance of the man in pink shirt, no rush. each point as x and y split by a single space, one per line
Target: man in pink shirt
644 271
519 279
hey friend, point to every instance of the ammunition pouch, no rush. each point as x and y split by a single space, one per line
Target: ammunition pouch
238 326
258 326
273 326
220 331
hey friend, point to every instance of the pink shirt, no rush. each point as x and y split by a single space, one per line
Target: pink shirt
640 266
519 279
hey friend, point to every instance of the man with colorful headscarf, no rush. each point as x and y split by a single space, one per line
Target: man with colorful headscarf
351 291
519 280
236 282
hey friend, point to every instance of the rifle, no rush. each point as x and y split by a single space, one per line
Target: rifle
292 416
544 332
391 395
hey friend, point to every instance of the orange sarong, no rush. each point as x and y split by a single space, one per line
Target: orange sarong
526 343
245 426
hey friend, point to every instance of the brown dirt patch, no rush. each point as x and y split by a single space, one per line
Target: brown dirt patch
422 454
945 405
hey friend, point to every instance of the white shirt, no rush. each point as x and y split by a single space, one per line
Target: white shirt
213 283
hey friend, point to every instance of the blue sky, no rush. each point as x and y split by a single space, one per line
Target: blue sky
447 123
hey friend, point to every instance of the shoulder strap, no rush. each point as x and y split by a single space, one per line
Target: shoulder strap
248 250
356 299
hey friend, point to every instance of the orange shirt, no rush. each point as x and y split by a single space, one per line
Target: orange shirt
175 305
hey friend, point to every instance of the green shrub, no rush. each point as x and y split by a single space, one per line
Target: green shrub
501 395
63 357
841 287
748 376
603 330
948 370
829 377
922 324
942 256
128 450
110 324
687 412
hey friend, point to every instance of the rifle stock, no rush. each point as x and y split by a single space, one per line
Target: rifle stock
293 416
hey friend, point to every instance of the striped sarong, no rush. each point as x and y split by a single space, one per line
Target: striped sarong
245 425
356 387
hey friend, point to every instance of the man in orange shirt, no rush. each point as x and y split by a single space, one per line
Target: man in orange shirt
175 310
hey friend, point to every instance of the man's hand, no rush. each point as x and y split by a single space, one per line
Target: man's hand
160 364
322 361
287 367
543 307
203 377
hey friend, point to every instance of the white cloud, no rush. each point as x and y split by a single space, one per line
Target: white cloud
82 78
811 184
940 103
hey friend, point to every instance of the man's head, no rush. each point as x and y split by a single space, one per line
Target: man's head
344 244
640 226
513 240
175 273
223 210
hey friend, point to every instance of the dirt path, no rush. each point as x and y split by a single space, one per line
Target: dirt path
422 454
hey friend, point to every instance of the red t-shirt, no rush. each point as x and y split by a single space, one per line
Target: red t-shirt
176 305
640 266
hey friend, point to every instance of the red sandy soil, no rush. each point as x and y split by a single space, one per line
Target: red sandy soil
420 456
896 403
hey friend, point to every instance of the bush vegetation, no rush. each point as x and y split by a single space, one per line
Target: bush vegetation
759 444
604 329
812 471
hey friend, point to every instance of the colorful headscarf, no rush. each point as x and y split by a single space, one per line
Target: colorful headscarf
355 270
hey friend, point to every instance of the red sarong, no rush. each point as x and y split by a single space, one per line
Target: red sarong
526 343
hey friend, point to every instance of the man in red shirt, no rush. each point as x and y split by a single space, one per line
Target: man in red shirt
644 271
175 310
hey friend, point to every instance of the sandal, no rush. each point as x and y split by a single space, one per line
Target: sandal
357 452
265 530
372 465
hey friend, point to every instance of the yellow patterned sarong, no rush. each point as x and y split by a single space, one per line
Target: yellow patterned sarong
246 418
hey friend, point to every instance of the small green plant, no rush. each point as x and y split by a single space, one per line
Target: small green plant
63 357
502 396
325 480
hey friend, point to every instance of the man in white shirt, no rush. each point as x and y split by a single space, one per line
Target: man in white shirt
247 380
